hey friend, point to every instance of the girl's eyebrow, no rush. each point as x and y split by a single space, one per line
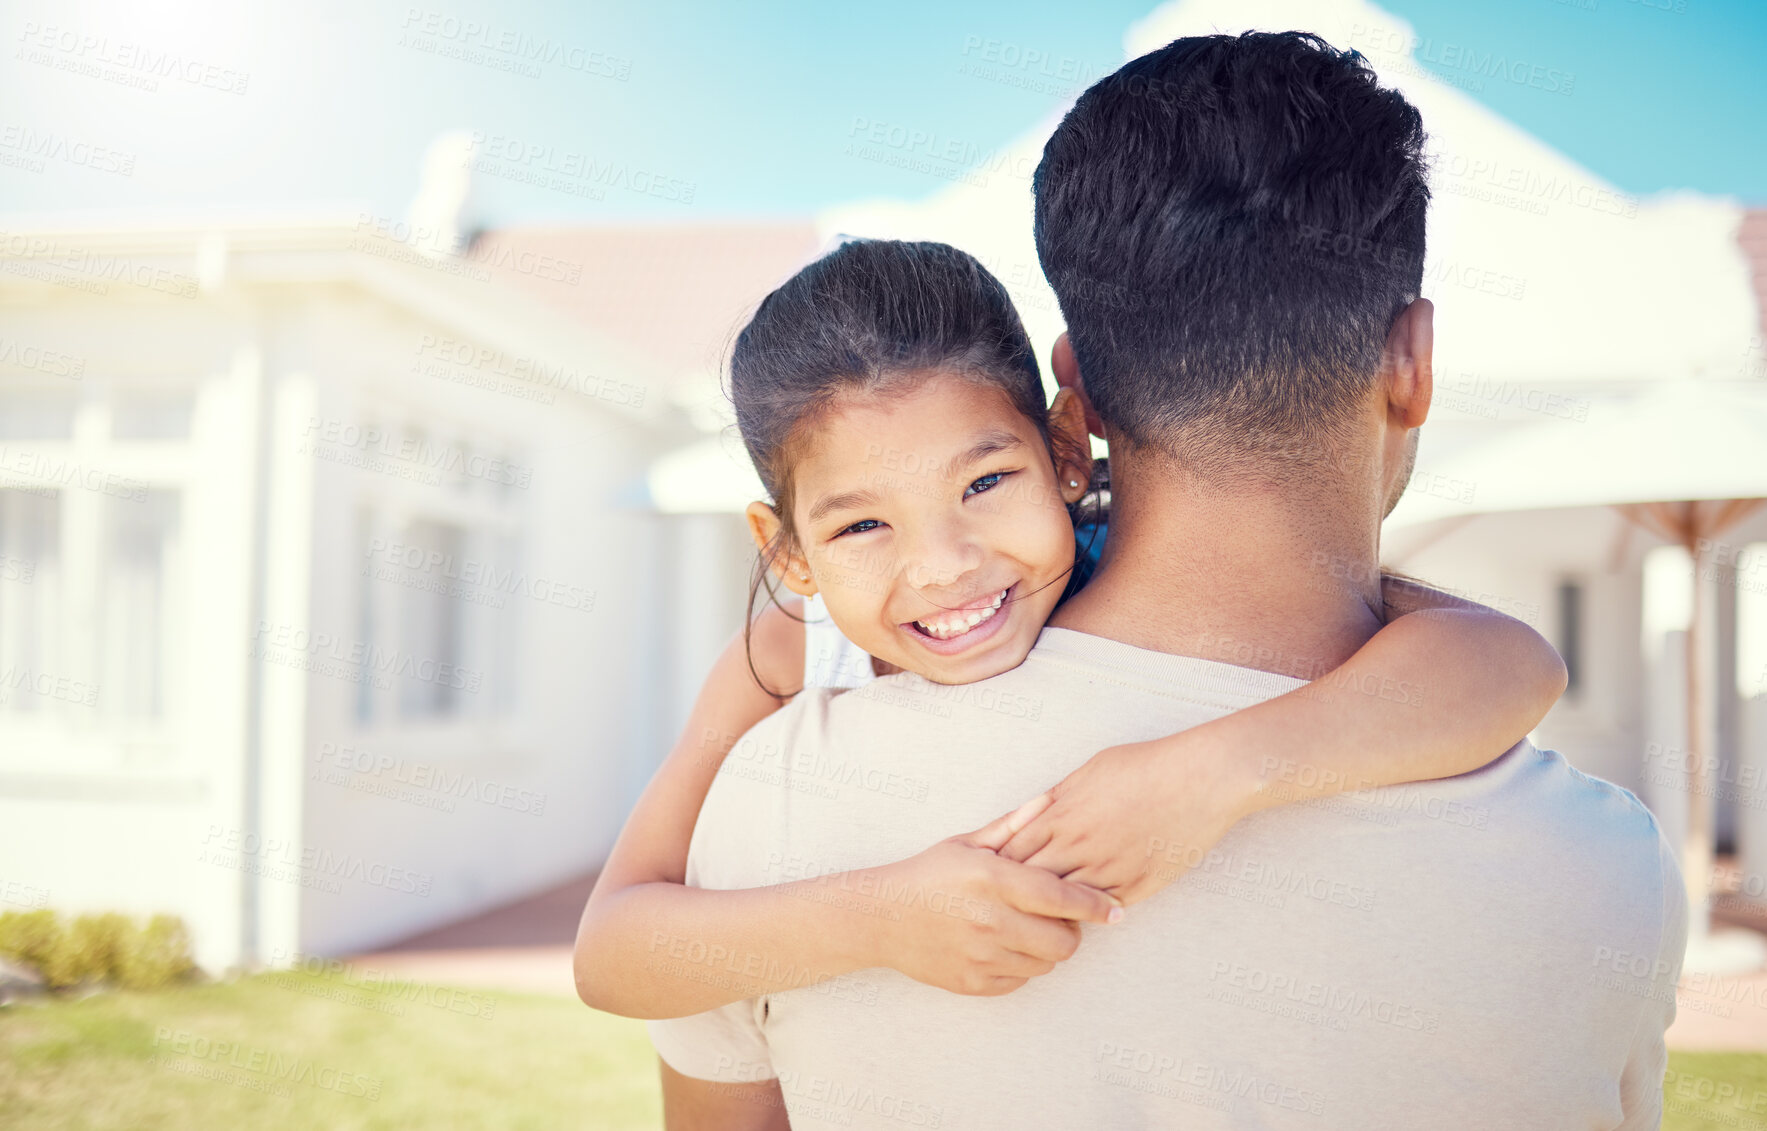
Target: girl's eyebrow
990 443
840 502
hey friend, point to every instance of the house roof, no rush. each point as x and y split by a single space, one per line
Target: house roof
1752 235
183 257
673 294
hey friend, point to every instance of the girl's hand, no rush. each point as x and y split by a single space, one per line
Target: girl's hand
962 918
1136 817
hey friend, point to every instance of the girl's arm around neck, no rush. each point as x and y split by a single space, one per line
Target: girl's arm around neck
1445 688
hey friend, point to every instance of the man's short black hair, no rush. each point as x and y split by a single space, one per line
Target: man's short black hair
1231 224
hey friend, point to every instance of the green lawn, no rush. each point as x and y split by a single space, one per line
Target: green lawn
455 1059
281 1052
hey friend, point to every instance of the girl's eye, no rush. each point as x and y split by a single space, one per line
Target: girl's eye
985 483
861 527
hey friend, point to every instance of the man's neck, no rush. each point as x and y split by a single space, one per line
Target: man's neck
1259 578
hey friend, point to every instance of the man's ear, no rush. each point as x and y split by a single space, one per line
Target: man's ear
1067 439
791 569
1406 362
1067 375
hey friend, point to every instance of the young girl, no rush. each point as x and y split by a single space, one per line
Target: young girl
925 503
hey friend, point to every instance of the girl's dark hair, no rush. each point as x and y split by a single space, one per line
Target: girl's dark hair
872 316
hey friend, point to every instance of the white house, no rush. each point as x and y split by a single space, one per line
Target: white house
324 617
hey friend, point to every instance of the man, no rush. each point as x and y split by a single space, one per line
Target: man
1235 229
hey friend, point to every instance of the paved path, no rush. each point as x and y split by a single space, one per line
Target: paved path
523 946
1725 1012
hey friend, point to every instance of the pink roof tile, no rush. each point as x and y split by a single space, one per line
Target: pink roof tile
674 294
1753 238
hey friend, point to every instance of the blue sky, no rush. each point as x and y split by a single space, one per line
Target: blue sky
724 110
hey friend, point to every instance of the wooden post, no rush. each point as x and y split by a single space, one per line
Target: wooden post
1702 755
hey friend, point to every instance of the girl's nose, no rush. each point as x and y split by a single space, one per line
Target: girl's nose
941 560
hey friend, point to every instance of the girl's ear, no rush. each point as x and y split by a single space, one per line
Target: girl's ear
1071 444
791 569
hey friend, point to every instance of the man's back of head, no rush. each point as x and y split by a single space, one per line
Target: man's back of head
1231 225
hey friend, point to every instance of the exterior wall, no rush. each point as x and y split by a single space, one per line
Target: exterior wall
712 558
521 780
127 802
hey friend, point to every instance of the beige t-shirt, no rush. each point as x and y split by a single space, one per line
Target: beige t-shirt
1494 950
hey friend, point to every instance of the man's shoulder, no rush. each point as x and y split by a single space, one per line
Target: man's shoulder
1617 869
1617 814
1584 831
1589 805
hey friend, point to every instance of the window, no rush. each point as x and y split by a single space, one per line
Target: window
26 415
365 613
94 578
151 416
138 603
429 669
436 617
30 595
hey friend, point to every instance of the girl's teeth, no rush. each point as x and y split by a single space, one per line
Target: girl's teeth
945 629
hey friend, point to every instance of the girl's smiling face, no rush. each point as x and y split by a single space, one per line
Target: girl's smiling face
934 524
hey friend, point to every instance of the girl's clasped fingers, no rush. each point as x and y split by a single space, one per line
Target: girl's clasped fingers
1001 831
1029 840
1043 940
1039 892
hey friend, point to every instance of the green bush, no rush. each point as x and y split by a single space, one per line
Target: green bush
95 944
34 939
160 956
98 948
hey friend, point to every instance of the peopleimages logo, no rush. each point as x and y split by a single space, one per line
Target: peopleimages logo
123 62
1458 60
1161 1073
89 270
280 1067
384 991
275 643
50 471
873 139
471 580
53 362
504 48
46 685
37 146
573 171
414 451
448 784
309 865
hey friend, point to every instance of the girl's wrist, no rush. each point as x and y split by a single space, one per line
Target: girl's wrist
1229 767
861 934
